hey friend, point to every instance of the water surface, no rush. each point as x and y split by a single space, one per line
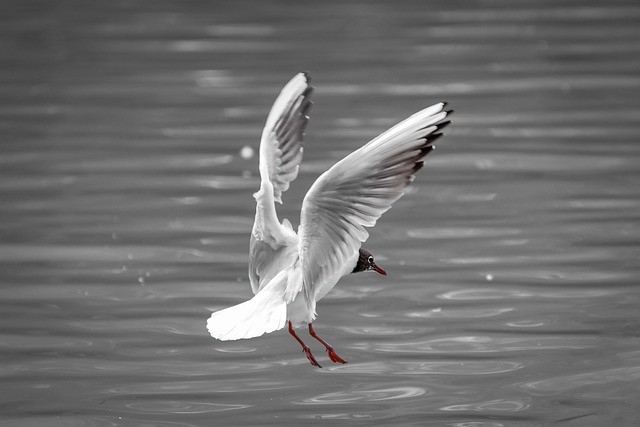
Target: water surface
512 296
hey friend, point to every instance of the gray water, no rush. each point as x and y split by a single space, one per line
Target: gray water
512 297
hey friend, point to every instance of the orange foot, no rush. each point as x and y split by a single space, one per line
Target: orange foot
334 357
312 360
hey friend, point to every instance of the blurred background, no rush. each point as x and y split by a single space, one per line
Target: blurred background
129 133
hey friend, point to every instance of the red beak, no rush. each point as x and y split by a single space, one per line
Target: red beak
379 270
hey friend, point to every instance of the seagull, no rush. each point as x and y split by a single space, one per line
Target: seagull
290 272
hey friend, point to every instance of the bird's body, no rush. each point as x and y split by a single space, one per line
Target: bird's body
289 272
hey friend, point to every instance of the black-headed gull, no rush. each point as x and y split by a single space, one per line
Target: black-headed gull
291 272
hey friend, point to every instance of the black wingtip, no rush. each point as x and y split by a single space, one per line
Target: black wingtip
308 91
426 149
304 112
442 125
415 169
430 139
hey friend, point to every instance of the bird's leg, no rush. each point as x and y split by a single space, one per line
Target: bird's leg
305 348
332 354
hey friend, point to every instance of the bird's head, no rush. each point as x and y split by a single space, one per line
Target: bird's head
367 263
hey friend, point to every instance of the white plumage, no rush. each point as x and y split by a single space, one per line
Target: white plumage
290 272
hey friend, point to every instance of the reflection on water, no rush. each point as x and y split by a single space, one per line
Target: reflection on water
130 134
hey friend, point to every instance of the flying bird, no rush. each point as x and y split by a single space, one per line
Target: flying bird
290 272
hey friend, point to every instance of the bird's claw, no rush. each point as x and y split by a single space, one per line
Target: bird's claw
312 360
334 357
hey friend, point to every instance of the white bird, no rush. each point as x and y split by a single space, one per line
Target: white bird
291 272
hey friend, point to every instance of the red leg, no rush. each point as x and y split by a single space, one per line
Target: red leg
305 348
332 354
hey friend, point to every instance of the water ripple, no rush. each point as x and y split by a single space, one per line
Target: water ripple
439 367
199 387
227 182
465 347
460 232
485 294
76 421
500 294
477 87
158 162
77 253
182 407
525 324
336 416
492 405
374 395
477 424
462 313
237 349
377 330
561 384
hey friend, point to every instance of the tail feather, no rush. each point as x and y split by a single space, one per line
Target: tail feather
265 312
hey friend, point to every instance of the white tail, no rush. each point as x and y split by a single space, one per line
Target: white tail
265 312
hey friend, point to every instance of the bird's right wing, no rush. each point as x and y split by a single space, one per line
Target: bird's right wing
280 156
355 192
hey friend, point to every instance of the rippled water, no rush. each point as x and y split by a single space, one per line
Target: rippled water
512 296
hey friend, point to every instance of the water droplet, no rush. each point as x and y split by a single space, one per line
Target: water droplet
246 152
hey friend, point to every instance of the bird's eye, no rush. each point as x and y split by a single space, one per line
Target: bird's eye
370 260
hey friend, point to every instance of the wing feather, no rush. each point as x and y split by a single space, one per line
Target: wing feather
272 244
281 143
355 192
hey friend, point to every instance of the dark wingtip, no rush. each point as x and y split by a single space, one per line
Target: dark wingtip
417 167
304 111
443 125
445 104
426 150
308 91
430 139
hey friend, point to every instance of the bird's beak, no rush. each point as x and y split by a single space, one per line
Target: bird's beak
379 270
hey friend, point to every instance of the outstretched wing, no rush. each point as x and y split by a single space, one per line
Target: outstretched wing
281 143
272 244
355 192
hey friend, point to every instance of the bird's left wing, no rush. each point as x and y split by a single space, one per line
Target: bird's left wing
280 155
355 192
281 143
